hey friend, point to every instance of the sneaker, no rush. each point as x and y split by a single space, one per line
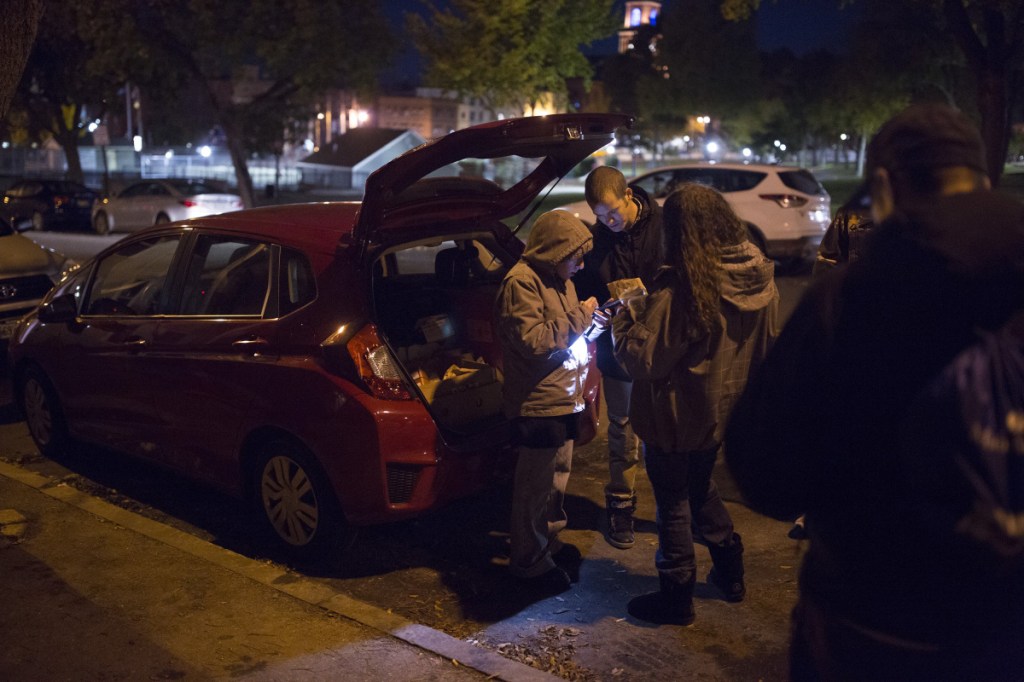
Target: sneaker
733 589
620 523
554 581
620 530
569 558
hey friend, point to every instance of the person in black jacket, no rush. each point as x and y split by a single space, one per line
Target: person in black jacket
818 428
627 244
846 236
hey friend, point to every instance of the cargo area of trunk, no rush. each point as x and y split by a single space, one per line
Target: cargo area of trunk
439 325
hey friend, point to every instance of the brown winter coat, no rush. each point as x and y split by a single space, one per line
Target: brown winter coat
539 318
684 385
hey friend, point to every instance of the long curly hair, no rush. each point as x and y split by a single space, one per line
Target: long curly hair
697 224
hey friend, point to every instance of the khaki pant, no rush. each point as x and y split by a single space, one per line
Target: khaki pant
538 515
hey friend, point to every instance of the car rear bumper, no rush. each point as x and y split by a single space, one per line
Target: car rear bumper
804 248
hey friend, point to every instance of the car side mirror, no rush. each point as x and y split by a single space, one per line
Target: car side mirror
60 309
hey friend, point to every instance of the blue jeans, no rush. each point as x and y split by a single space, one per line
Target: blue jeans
623 444
687 499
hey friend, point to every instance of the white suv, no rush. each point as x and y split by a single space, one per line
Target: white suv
786 207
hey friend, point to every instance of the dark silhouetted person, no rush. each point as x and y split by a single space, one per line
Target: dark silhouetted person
818 429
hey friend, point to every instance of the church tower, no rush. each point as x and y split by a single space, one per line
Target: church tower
638 13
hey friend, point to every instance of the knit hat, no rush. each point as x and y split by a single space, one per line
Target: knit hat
926 136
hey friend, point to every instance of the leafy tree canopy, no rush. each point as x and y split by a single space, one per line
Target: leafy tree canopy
509 53
286 51
59 83
989 35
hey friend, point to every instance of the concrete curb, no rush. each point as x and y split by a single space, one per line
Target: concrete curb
434 641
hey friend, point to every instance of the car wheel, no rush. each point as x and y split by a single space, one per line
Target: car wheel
38 221
43 413
161 219
295 503
101 223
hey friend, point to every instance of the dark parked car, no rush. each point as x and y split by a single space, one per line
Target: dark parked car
46 204
27 272
334 363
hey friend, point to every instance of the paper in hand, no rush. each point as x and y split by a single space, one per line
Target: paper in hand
623 289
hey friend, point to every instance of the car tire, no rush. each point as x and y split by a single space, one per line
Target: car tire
43 413
101 223
161 219
38 221
295 504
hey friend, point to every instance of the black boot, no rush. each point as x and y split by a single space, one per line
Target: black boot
569 559
727 573
671 605
620 522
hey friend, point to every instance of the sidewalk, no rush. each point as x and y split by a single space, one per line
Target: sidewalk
94 592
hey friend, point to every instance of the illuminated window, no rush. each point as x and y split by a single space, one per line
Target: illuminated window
635 15
654 16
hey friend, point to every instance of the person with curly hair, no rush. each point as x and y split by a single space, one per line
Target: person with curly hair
711 315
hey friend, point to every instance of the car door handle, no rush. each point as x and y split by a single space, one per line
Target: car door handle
134 341
254 343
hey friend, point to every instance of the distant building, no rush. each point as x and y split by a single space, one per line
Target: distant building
638 13
349 159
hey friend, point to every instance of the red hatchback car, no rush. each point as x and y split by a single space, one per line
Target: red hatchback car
333 363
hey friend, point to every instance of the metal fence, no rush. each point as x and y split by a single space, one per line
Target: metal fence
115 165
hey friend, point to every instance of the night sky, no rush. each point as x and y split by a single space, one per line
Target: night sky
800 25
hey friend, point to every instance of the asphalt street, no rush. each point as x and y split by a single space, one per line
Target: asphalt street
115 570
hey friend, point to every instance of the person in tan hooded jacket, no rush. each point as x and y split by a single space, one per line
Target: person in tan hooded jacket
712 314
540 325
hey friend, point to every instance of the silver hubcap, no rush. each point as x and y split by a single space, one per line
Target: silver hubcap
289 500
37 412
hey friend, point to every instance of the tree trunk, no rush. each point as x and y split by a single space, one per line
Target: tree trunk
862 147
74 159
240 160
17 34
68 140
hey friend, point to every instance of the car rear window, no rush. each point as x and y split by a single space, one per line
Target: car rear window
227 276
802 181
191 188
67 188
725 180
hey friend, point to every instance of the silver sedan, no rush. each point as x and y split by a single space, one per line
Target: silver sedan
151 202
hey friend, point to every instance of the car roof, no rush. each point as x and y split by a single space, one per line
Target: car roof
312 226
729 165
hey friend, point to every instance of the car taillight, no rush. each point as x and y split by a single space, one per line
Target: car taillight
376 366
785 200
189 203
